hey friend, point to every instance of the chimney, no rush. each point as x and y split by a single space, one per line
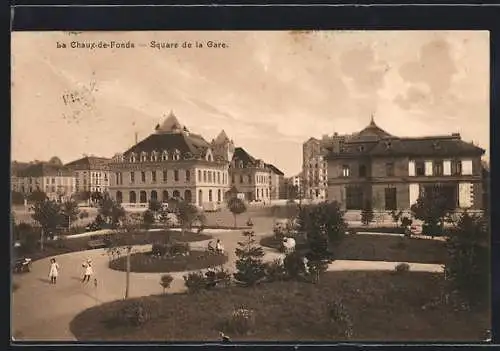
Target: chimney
136 135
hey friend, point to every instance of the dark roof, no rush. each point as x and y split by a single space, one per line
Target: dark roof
184 142
274 169
241 155
89 162
16 167
445 146
371 133
42 169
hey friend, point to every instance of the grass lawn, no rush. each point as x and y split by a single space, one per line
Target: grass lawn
58 247
383 306
144 262
381 248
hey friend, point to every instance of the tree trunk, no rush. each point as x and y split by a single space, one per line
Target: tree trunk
41 239
234 215
127 283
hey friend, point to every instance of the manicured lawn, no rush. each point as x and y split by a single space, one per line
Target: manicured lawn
144 262
383 306
58 247
381 248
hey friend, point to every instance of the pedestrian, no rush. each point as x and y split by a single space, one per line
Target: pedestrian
218 247
88 271
54 271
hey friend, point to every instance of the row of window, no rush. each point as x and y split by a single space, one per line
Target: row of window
214 177
419 168
176 194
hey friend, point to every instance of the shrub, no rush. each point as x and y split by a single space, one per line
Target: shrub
294 265
405 222
83 214
159 249
340 319
195 281
223 275
402 267
148 218
316 268
178 249
250 269
135 313
241 321
468 269
432 207
275 271
165 281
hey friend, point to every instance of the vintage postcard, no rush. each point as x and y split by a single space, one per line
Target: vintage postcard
225 186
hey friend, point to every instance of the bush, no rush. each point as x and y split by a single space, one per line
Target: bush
294 265
242 321
135 313
316 268
468 269
83 214
275 271
195 281
340 319
178 249
250 269
223 275
405 222
159 249
402 267
165 281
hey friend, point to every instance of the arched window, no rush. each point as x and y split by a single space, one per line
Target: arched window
132 157
187 196
144 156
132 197
165 196
188 176
143 197
200 197
119 197
154 195
154 156
176 194
164 155
177 155
219 195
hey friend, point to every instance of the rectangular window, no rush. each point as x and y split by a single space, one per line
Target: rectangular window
420 168
232 178
218 178
437 168
456 167
53 180
390 199
143 177
165 176
188 176
241 179
466 167
199 175
209 177
204 176
153 176
176 175
354 198
132 178
346 171
389 169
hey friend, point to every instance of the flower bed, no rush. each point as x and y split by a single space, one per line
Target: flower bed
146 262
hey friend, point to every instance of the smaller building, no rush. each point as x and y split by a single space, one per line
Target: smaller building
91 174
54 179
276 182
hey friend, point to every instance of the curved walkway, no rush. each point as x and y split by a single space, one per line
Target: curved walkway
41 311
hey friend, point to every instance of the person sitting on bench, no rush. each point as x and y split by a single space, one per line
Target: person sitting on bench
211 247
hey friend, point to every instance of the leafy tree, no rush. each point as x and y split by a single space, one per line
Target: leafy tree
468 267
48 214
236 206
70 211
148 218
16 197
165 281
96 196
111 211
188 214
37 196
432 208
250 268
367 214
154 206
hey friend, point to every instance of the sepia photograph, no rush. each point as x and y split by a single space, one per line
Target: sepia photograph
244 186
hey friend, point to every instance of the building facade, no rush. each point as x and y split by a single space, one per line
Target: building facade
91 174
391 172
54 179
170 163
276 183
314 182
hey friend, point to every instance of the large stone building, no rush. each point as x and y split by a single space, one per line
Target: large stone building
392 172
314 180
172 162
91 174
50 177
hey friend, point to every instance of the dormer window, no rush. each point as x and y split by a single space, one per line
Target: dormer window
209 158
388 145
177 155
154 156
361 148
164 156
144 157
132 157
240 164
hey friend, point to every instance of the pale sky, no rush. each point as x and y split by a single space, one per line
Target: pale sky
270 91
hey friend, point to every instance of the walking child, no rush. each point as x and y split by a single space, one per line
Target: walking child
54 271
88 271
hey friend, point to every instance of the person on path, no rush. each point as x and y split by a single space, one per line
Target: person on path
54 271
218 247
88 271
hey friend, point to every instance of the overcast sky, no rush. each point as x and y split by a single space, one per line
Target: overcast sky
270 91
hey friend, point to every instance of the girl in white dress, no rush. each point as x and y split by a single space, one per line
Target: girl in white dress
88 271
54 271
